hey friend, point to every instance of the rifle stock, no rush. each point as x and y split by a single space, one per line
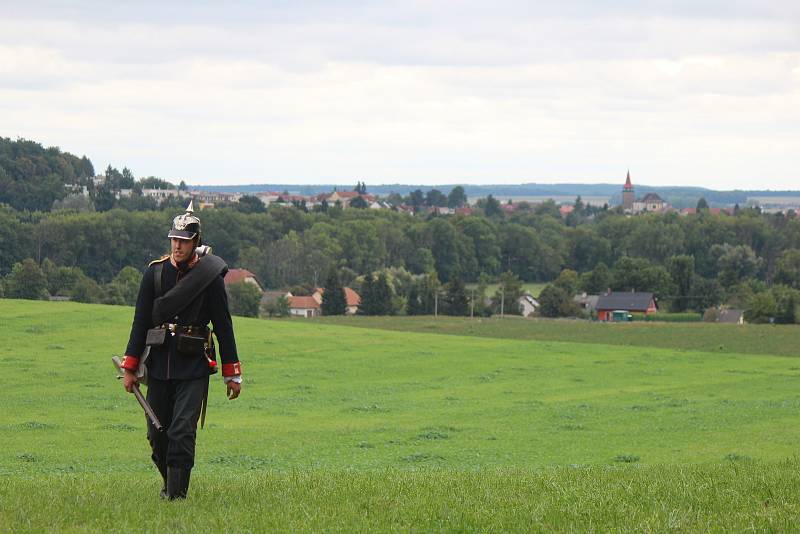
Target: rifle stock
148 410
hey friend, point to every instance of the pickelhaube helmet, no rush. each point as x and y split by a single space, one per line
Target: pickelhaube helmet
186 226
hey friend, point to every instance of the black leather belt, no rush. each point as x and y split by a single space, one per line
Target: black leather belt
184 329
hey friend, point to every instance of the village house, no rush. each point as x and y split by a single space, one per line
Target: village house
528 305
586 302
304 307
271 297
234 276
625 301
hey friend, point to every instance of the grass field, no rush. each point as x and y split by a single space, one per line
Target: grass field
706 337
534 288
342 428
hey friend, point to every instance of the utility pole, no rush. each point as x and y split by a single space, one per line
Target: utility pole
472 303
502 300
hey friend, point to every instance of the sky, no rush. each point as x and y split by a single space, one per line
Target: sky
703 93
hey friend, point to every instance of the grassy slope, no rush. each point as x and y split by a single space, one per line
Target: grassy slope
327 410
720 338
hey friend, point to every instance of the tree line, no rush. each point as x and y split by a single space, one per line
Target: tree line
688 262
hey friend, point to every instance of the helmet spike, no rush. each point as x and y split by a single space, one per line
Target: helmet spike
190 208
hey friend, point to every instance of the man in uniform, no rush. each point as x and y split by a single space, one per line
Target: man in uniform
179 295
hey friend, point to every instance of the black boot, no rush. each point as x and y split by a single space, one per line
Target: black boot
177 482
162 468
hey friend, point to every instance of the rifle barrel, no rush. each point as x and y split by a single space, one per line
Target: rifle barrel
148 410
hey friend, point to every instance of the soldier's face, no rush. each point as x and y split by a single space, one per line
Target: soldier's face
182 249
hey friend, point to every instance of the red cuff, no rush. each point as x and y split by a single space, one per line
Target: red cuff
131 363
231 369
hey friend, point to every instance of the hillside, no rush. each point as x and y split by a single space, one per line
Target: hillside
356 430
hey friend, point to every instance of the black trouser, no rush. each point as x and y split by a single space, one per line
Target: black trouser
177 404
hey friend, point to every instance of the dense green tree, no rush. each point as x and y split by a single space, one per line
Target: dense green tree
491 207
735 263
434 197
456 299
596 281
88 291
681 269
368 304
761 308
382 295
568 281
554 301
359 203
250 204
334 301
413 303
705 293
457 197
126 285
638 274
416 199
244 299
506 298
702 204
26 281
786 301
788 268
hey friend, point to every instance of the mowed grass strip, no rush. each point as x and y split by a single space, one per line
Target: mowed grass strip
734 497
706 337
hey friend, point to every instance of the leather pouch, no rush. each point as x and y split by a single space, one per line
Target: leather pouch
156 337
192 346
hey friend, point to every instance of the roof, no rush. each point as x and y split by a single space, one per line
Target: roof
272 296
651 197
303 302
625 300
730 316
628 184
238 275
347 194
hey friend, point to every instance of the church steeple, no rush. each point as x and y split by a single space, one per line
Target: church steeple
628 195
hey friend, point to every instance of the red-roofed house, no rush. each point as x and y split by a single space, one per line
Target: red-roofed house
242 275
343 197
304 307
566 209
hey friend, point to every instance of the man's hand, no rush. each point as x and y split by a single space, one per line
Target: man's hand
233 390
129 380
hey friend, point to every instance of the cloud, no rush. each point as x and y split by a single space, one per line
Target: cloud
409 92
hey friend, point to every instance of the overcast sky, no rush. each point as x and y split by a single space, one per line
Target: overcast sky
696 92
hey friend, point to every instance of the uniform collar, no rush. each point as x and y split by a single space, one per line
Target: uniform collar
188 265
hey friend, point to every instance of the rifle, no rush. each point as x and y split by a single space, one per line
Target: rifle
148 410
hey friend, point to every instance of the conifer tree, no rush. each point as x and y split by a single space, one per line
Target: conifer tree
382 295
334 301
367 306
457 302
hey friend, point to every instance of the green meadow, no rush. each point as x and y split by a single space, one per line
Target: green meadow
363 425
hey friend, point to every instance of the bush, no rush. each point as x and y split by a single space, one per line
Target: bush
245 299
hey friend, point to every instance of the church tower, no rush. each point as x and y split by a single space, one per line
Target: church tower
628 196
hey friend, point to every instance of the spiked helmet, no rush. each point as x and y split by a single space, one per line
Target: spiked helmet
186 226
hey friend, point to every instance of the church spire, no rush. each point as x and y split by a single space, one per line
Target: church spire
628 184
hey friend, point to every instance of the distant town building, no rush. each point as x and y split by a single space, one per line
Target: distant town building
628 195
650 203
234 276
